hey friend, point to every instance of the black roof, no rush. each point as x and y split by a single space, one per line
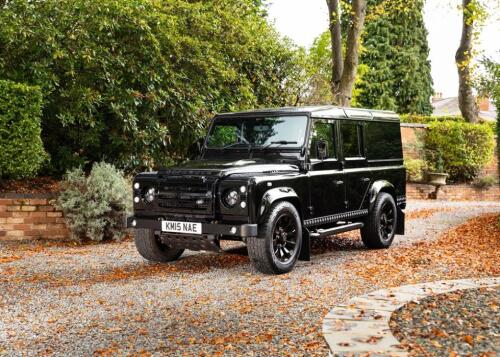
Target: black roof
324 111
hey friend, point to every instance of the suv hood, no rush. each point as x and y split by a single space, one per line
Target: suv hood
229 167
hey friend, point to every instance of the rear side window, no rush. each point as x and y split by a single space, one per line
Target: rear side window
383 140
352 140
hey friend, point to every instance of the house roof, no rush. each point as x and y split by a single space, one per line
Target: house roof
449 106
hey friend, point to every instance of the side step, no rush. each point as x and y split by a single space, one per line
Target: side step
335 230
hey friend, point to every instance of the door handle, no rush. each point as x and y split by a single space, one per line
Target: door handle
338 182
365 179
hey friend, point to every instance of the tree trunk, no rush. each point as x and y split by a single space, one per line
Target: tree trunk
352 51
336 40
466 100
344 72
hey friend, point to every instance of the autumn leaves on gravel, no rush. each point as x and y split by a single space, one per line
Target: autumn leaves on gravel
460 323
470 250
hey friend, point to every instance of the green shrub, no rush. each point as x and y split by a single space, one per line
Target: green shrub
95 206
485 181
415 170
463 147
21 148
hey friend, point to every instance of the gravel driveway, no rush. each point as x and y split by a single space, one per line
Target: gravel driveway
105 300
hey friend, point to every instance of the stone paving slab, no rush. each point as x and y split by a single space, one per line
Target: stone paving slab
357 314
361 342
361 327
339 325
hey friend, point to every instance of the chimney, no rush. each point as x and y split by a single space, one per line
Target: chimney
437 96
484 104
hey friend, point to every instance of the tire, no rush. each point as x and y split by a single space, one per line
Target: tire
279 240
150 247
380 225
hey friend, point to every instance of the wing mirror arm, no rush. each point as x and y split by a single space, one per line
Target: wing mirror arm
322 149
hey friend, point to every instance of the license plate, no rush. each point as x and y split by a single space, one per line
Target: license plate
181 227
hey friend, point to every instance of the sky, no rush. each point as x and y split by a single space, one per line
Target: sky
304 20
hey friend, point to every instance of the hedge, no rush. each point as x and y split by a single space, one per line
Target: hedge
21 149
427 119
463 148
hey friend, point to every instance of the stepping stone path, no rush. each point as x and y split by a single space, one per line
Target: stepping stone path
362 325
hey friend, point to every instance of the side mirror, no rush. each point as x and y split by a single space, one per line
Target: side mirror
194 150
322 149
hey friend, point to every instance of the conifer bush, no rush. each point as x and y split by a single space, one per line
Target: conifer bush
95 205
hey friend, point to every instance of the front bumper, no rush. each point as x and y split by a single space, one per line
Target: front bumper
242 230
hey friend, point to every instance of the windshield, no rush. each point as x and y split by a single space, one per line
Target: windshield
285 131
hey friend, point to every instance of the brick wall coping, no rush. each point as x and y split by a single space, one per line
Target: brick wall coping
17 196
414 125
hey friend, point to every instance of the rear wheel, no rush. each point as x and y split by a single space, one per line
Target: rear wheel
151 248
380 225
279 240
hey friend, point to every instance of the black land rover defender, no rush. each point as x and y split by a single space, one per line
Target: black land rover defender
276 179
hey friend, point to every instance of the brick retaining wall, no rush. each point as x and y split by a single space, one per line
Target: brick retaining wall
25 216
452 192
33 216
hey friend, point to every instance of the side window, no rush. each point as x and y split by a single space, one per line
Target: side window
383 140
323 131
352 140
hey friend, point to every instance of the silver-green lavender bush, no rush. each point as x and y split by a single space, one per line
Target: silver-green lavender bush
94 206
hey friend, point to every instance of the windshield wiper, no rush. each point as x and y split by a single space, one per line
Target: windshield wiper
280 142
234 144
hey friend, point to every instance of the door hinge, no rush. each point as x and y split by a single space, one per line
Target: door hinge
311 210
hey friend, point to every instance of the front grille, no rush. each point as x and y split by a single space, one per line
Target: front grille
187 194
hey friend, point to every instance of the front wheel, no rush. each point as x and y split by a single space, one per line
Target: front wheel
380 225
277 246
151 248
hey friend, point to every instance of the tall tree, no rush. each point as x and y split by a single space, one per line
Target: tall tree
395 52
472 14
344 67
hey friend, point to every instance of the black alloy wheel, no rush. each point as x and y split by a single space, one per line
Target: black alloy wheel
285 238
277 246
387 220
380 225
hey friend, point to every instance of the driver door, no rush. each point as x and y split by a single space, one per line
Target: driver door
326 177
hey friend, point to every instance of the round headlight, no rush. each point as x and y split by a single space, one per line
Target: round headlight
231 199
137 185
150 195
243 189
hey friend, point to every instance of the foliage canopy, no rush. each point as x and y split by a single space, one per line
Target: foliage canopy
134 81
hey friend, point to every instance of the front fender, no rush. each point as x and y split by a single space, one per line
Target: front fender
274 195
380 186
